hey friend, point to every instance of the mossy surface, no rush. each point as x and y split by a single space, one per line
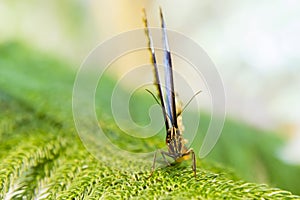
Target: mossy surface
41 155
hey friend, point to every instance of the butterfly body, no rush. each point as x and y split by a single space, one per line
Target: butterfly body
175 143
171 111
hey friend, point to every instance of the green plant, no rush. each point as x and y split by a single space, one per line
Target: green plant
41 155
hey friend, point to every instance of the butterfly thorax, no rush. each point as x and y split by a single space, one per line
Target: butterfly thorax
176 145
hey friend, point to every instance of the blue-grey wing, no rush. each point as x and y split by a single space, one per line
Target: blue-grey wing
157 81
170 93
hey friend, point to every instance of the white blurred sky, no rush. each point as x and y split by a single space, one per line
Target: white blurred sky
254 44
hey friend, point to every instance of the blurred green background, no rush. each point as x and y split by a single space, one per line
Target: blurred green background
254 45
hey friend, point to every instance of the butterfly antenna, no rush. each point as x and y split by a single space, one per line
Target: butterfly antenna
191 99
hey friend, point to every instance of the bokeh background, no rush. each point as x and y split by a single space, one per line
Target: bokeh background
254 44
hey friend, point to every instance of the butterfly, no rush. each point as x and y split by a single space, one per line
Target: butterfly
171 111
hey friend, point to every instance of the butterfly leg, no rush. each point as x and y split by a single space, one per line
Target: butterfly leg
163 154
194 162
191 151
153 165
